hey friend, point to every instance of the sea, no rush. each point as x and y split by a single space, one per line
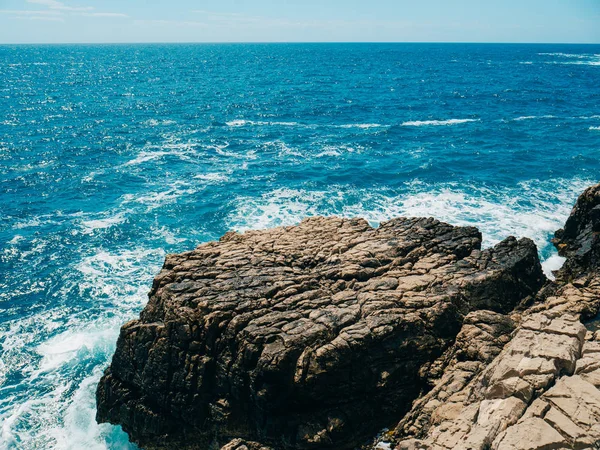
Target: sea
112 156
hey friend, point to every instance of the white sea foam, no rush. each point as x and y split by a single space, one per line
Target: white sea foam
243 123
328 151
52 350
578 63
17 238
247 123
552 263
533 117
72 344
153 200
154 122
212 177
567 55
145 156
90 226
595 128
365 126
422 123
79 429
533 209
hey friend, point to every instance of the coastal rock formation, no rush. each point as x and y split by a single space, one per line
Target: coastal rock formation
316 336
542 389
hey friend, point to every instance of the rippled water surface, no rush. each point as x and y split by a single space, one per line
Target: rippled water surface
113 156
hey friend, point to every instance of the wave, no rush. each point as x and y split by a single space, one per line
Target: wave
89 226
585 59
534 209
154 200
243 123
594 128
533 117
154 122
569 55
578 63
421 123
364 126
212 177
60 357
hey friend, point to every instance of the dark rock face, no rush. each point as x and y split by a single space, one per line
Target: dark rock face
578 241
308 337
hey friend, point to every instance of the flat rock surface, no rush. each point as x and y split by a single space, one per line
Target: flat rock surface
318 335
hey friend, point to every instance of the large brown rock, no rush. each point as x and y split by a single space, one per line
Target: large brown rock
315 336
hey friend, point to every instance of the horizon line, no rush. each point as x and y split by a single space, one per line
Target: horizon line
295 42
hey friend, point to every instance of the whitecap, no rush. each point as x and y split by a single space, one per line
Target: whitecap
155 122
16 239
89 226
144 156
364 126
212 177
567 55
236 123
242 123
328 152
594 128
517 119
421 123
157 199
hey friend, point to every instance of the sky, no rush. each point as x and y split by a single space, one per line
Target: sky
109 21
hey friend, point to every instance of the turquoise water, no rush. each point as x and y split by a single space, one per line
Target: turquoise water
112 156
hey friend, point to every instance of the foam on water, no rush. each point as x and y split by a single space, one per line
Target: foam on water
242 123
66 343
533 117
535 209
212 177
89 226
551 264
423 123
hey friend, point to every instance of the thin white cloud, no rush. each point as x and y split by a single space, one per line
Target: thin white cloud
101 14
185 23
60 6
44 18
60 9
29 12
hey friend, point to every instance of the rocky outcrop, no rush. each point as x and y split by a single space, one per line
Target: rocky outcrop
318 335
541 390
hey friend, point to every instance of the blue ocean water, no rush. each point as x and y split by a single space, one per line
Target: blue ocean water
112 156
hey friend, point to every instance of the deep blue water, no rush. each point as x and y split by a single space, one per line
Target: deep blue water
112 156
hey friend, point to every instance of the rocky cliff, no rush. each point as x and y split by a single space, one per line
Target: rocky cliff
541 390
319 335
